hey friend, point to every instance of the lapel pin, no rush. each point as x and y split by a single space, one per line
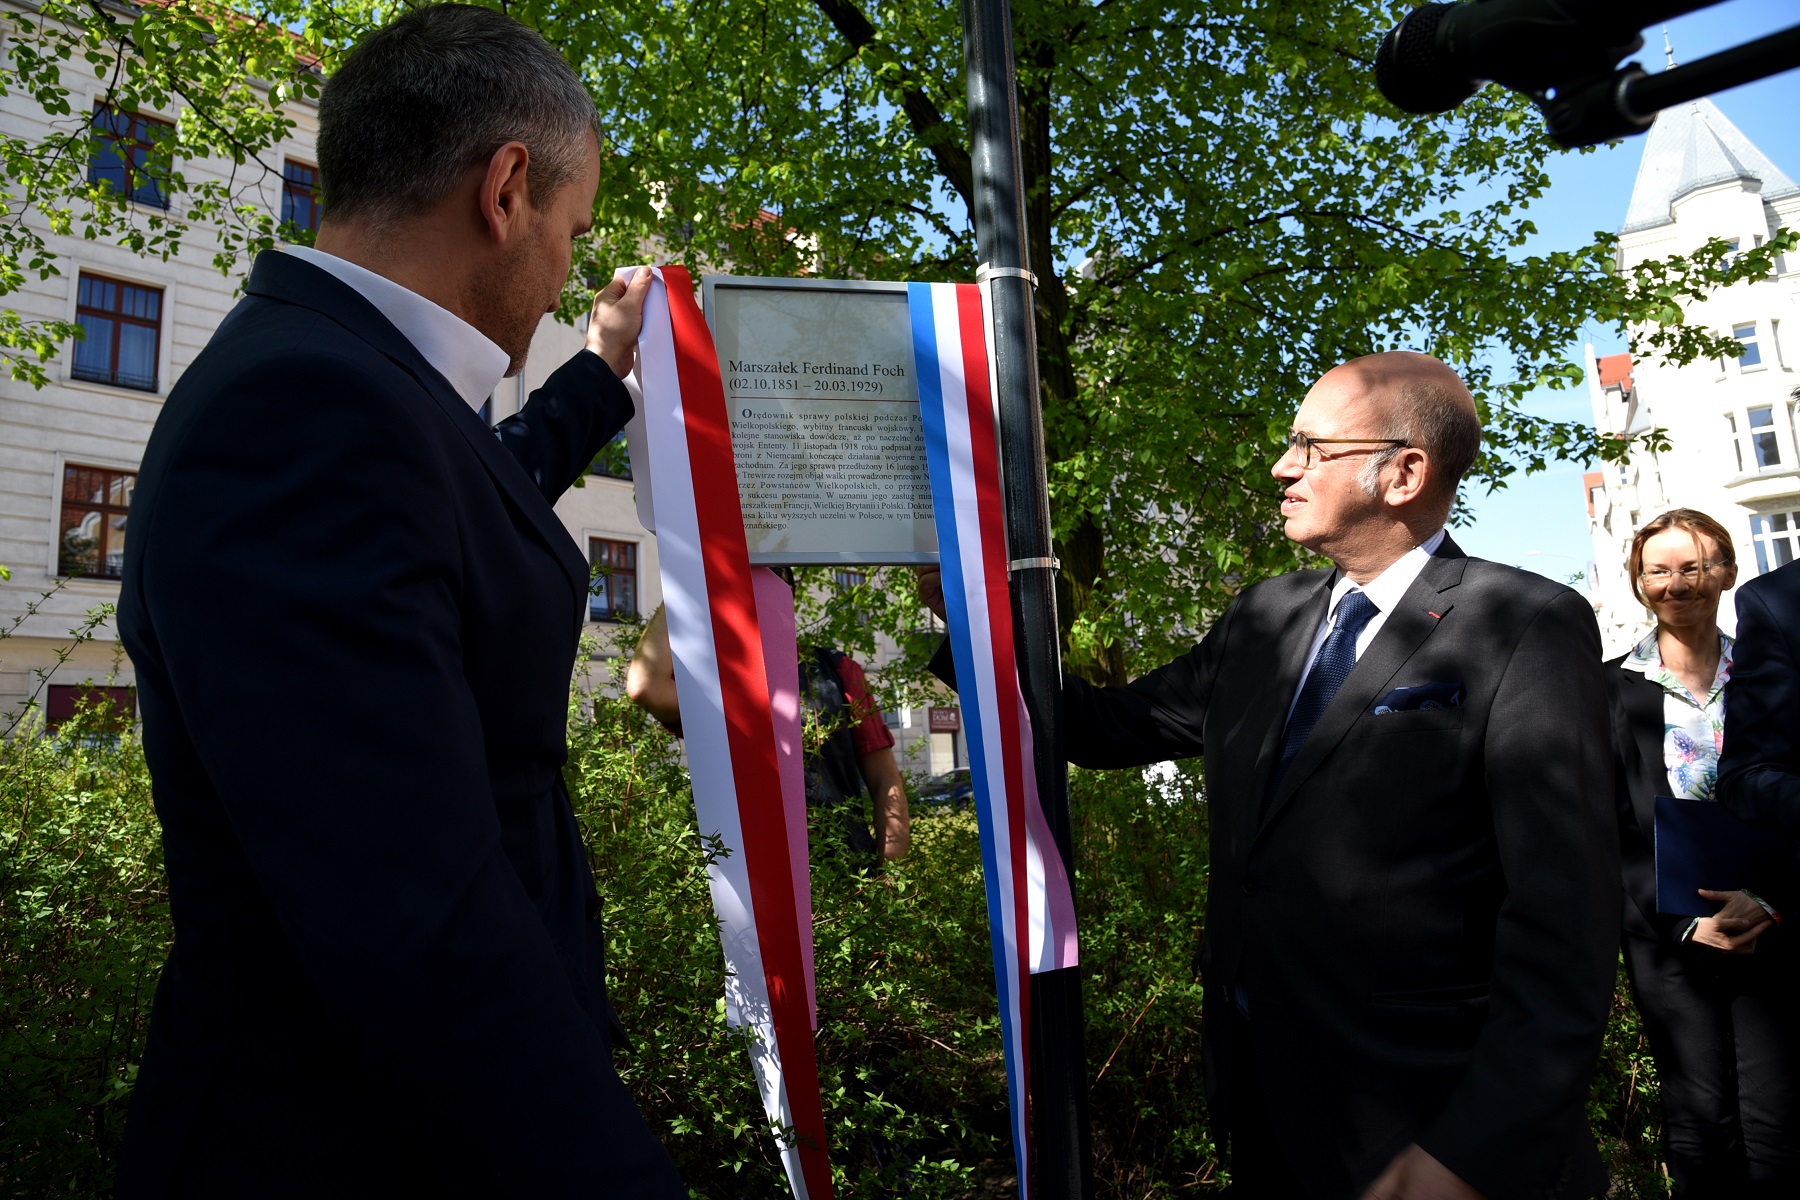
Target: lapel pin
1435 616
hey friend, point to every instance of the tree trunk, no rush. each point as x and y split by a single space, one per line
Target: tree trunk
1080 586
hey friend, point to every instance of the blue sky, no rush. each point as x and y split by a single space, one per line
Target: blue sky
1545 513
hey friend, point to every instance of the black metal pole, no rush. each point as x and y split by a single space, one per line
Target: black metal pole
1059 1100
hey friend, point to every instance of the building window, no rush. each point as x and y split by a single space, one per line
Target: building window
1765 448
124 143
121 328
300 195
613 461
1750 355
1776 536
613 590
95 502
114 708
845 579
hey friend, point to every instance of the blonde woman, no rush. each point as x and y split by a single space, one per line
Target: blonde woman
1714 992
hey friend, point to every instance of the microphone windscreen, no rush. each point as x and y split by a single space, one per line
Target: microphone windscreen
1413 72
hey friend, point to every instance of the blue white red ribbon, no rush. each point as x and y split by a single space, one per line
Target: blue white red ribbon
1031 910
731 629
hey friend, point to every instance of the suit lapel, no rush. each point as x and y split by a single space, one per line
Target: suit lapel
1295 639
285 278
1643 699
1402 633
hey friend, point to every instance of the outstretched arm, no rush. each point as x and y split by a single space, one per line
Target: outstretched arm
583 405
1155 717
893 821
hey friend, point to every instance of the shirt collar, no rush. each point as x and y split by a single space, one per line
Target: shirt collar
1646 659
1386 589
469 360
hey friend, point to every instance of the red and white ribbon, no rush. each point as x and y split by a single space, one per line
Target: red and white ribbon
731 629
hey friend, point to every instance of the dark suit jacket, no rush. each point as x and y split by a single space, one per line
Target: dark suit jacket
1759 771
1425 913
1637 725
353 618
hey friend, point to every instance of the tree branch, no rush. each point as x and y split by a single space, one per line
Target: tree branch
921 113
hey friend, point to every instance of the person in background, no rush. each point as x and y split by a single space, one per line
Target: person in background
858 749
1711 990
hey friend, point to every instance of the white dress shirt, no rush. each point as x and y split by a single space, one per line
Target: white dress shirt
461 353
1384 592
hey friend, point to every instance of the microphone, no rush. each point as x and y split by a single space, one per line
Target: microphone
1441 54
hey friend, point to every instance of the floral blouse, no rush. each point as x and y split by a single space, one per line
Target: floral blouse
1693 727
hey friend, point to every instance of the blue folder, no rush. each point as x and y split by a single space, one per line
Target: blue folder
1699 844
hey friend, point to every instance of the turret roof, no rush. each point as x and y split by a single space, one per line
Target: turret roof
1693 146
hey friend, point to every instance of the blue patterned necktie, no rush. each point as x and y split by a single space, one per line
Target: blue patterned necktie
1337 657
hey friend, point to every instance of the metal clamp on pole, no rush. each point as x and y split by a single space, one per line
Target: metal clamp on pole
1033 564
987 271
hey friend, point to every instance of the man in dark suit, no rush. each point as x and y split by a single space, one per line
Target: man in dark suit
1759 767
353 615
1413 913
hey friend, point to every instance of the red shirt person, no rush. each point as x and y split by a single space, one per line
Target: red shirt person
858 750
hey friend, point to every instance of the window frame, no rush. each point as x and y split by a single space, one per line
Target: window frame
120 318
1750 344
291 188
602 584
1764 541
1755 436
63 701
104 509
160 187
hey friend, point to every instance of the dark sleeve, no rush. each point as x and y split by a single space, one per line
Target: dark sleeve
1759 769
352 770
1549 773
1153 718
580 408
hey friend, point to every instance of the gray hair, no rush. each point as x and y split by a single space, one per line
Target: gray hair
435 92
1432 417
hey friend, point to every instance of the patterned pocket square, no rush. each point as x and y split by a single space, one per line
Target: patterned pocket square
1426 695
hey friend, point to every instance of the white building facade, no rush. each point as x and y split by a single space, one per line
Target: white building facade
70 451
1731 423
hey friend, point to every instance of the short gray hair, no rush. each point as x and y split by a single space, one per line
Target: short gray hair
435 92
1434 418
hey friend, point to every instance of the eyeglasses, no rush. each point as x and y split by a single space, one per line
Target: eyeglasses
1303 443
1663 577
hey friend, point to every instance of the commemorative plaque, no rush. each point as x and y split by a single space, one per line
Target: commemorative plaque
825 432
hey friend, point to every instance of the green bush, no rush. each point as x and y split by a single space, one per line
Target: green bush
84 927
908 1039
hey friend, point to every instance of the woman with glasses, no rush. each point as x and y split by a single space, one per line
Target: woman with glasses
1715 993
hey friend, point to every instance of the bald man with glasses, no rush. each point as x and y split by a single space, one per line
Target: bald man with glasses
1413 915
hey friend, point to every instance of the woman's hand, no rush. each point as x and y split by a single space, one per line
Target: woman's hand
1735 927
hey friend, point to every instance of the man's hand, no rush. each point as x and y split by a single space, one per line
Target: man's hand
1734 928
618 314
931 588
1415 1175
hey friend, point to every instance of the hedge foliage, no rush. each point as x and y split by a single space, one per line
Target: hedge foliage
908 1040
